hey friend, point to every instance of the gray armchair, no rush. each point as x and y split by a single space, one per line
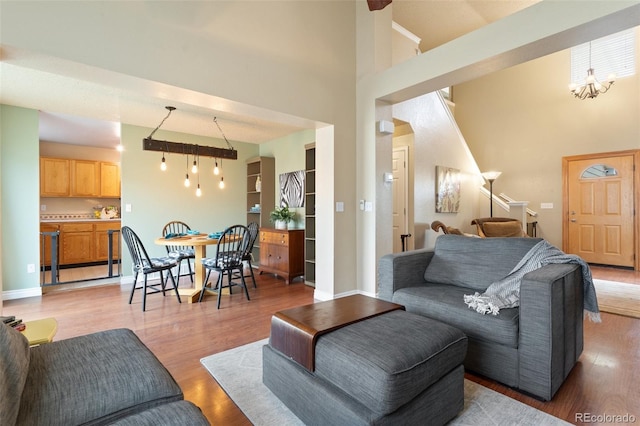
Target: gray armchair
532 347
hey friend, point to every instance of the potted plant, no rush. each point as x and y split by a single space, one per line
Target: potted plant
281 217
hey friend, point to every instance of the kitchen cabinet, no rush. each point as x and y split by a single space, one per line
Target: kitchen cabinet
85 178
102 240
81 242
45 243
77 243
60 177
109 180
282 252
54 177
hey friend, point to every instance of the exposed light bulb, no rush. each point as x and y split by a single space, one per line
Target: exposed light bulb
221 185
163 164
198 191
186 181
216 170
194 168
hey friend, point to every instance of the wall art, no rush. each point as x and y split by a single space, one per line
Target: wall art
292 189
447 190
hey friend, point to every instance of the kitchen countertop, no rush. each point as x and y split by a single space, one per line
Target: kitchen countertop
79 220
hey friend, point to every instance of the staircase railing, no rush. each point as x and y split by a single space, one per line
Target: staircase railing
503 201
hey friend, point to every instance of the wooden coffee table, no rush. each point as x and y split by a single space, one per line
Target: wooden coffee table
294 331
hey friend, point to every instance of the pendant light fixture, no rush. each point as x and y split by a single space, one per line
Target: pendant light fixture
163 164
221 184
198 190
187 183
591 86
216 169
194 168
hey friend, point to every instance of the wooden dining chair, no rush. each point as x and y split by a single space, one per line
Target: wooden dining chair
253 229
146 265
228 260
179 253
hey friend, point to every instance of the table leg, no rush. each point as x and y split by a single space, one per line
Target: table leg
193 294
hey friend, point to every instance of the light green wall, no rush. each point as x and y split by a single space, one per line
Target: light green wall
290 156
19 166
157 197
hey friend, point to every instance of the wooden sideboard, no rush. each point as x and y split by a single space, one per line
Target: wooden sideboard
282 252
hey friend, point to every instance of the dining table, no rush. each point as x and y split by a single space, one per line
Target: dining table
199 242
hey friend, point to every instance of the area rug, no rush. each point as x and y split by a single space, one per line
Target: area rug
618 298
239 372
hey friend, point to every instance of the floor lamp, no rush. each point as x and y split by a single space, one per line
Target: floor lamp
490 177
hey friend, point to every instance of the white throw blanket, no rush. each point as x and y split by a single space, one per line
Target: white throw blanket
506 292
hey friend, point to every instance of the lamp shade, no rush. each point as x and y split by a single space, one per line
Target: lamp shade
491 176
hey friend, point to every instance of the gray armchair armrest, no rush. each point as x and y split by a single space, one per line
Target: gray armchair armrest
551 327
399 270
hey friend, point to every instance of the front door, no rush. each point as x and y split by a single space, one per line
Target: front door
599 210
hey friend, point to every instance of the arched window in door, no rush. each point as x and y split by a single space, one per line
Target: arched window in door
598 171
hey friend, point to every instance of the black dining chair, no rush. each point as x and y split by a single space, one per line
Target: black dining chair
146 265
253 229
230 251
179 253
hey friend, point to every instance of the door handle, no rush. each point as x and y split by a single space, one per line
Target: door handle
573 220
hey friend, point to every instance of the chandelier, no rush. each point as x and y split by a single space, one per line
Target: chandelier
186 149
591 86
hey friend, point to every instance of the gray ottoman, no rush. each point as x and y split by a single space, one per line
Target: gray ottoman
395 368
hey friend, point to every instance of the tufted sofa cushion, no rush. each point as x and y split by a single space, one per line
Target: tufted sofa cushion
471 262
14 368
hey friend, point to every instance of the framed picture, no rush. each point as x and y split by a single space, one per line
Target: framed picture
447 190
292 189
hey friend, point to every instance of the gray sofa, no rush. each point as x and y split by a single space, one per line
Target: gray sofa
108 377
532 347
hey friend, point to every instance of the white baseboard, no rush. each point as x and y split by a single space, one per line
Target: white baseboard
21 294
322 296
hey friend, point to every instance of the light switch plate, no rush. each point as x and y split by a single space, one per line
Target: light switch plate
339 206
546 205
368 206
127 208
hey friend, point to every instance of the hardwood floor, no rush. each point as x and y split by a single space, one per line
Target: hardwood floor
605 380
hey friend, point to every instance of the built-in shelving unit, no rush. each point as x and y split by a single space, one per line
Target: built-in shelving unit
310 215
260 198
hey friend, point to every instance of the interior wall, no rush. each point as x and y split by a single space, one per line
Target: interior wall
437 142
279 56
157 197
290 156
523 120
20 170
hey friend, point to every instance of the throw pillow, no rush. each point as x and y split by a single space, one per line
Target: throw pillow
503 229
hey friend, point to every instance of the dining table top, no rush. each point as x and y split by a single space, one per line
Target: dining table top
187 240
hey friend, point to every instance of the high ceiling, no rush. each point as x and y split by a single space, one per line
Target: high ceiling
82 105
437 22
